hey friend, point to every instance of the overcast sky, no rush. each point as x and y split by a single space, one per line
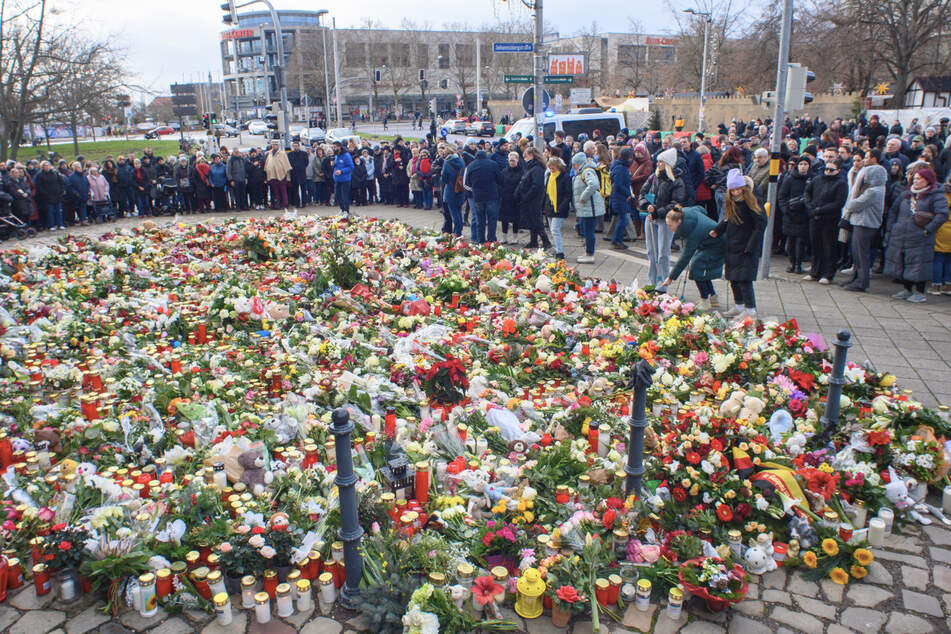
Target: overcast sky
173 40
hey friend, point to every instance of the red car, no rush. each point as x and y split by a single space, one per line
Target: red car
159 132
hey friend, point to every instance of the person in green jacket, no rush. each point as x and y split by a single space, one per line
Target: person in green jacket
701 251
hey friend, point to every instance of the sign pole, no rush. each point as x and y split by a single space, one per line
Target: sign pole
539 74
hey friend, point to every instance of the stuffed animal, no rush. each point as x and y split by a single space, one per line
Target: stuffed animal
276 311
802 531
51 436
242 305
757 561
255 476
752 406
732 406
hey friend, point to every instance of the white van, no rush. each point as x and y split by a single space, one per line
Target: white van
608 123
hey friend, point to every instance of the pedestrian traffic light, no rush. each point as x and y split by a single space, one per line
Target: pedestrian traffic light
767 99
377 75
231 17
422 74
213 118
796 80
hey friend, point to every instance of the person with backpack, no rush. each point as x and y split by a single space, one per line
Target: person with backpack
424 170
660 193
589 204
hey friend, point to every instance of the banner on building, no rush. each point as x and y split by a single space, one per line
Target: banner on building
566 64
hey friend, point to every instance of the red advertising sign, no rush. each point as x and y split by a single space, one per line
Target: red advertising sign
237 34
661 41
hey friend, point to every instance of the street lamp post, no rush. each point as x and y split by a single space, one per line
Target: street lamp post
323 32
337 73
279 67
707 19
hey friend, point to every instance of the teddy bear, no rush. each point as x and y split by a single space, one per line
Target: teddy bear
51 436
255 476
276 311
732 406
752 406
757 561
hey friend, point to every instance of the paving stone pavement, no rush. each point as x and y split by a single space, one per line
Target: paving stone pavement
907 590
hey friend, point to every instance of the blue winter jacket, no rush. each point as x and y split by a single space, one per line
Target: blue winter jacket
483 177
126 174
218 176
344 163
77 186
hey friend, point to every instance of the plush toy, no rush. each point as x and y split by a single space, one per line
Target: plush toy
255 476
51 436
757 561
802 532
897 492
752 406
242 305
276 311
732 406
279 522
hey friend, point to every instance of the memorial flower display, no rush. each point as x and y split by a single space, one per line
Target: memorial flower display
166 402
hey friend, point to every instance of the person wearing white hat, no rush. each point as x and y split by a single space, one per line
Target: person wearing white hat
663 190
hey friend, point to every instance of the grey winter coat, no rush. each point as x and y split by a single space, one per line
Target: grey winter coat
236 169
910 248
866 202
586 191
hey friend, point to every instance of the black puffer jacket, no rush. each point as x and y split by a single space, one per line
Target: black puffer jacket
744 242
508 206
563 195
825 196
793 205
667 193
530 192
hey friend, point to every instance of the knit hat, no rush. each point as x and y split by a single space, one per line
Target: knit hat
579 159
734 179
918 138
804 159
928 174
668 156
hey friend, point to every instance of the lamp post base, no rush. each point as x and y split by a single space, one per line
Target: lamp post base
349 598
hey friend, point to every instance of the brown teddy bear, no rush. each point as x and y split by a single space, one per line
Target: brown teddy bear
255 476
51 436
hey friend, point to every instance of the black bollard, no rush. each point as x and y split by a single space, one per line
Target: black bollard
350 529
640 381
830 420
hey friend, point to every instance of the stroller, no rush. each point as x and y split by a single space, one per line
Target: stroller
102 210
165 194
10 224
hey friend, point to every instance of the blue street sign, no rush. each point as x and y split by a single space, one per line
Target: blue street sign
513 47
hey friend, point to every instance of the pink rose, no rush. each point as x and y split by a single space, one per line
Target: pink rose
267 552
244 529
256 541
650 552
225 547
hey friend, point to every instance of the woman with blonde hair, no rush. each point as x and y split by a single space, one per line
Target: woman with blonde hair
663 189
743 225
557 202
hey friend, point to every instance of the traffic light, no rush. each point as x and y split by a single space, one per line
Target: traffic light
231 17
422 74
377 75
796 80
204 121
766 99
275 119
213 117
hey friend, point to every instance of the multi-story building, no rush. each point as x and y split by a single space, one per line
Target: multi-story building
380 69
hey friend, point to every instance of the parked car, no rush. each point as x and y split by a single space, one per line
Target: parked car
313 135
225 130
456 126
257 126
481 128
344 135
159 132
294 130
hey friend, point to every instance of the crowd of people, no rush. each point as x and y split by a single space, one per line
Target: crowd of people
855 198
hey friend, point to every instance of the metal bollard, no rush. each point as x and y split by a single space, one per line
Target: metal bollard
830 419
350 529
640 380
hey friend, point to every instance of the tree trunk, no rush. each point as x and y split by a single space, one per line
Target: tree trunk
72 122
46 135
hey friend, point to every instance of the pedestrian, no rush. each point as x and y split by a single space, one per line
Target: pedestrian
50 189
482 179
825 197
319 177
863 211
126 185
98 191
186 190
557 202
424 170
715 177
297 192
218 178
621 197
77 193
663 189
343 171
237 173
141 184
641 169
530 195
508 206
370 164
358 180
742 226
277 170
453 190
257 179
701 251
795 215
941 277
588 202
401 156
913 222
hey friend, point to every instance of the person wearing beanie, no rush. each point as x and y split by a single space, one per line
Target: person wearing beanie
863 211
825 196
795 216
913 221
742 226
589 204
621 197
663 189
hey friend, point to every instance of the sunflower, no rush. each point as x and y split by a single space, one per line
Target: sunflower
858 571
864 556
830 547
839 576
810 559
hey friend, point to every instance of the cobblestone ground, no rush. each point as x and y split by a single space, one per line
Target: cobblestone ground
907 590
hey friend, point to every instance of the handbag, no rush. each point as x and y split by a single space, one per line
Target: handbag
459 186
919 216
184 183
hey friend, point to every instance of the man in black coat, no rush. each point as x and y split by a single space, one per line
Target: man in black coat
298 193
483 178
825 196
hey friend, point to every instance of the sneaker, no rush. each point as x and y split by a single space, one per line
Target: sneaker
703 304
934 289
62 228
714 303
808 278
733 312
854 288
848 271
946 289
916 298
619 246
825 281
902 294
585 259
559 256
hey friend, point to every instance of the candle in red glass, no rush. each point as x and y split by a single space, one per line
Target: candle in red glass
41 579
163 582
202 333
389 426
592 437
437 310
455 300
270 583
422 482
585 350
176 365
6 451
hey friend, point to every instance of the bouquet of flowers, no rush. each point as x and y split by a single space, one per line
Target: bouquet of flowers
444 381
713 580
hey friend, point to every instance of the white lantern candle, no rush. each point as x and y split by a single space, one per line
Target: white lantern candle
223 608
303 595
876 532
887 516
262 609
285 603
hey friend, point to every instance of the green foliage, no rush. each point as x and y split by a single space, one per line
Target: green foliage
340 267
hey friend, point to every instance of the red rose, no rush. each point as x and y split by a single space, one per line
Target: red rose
64 545
487 539
679 493
258 530
742 511
58 527
724 513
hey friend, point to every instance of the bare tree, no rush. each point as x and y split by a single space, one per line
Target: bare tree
726 21
22 35
306 66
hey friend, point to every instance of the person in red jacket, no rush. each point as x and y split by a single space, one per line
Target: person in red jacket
641 168
704 195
